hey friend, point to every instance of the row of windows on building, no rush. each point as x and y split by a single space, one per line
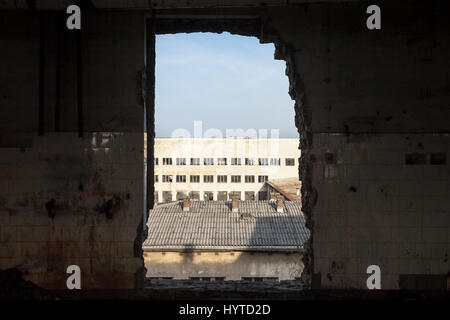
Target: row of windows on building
167 196
210 178
223 161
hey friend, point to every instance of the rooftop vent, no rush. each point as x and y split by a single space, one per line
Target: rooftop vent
234 204
280 204
245 215
186 204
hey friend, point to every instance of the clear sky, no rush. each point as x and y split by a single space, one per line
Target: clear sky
226 81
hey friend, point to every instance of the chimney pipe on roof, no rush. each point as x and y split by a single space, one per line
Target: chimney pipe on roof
280 204
234 204
186 204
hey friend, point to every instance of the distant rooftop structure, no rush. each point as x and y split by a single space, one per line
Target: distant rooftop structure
211 225
289 187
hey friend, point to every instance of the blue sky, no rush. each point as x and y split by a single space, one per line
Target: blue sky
224 80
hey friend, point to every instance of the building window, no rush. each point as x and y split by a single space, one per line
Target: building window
235 161
195 161
263 178
167 196
194 195
195 178
167 178
262 195
208 196
167 161
263 161
221 195
290 161
275 161
270 279
222 179
208 179
222 161
208 161
260 279
249 161
156 178
181 161
219 279
180 195
155 161
235 179
181 178
249 179
207 278
233 194
249 195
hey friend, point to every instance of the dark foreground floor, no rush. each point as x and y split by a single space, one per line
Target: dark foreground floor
12 286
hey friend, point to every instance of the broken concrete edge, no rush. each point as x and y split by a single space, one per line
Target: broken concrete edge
285 51
140 274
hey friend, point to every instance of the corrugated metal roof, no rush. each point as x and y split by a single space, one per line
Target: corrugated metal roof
212 225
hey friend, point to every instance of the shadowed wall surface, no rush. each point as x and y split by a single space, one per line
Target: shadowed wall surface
372 110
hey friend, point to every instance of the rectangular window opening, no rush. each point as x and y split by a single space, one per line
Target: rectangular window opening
199 181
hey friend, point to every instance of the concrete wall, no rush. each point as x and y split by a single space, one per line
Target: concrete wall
64 199
231 265
374 98
365 101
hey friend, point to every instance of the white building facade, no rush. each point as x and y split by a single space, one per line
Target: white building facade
216 168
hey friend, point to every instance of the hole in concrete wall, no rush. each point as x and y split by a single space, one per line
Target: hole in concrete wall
438 158
415 158
271 161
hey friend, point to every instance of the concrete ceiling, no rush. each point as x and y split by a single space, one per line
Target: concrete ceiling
156 4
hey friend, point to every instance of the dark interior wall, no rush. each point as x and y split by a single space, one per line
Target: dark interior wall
66 199
392 80
20 70
114 62
376 106
371 108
